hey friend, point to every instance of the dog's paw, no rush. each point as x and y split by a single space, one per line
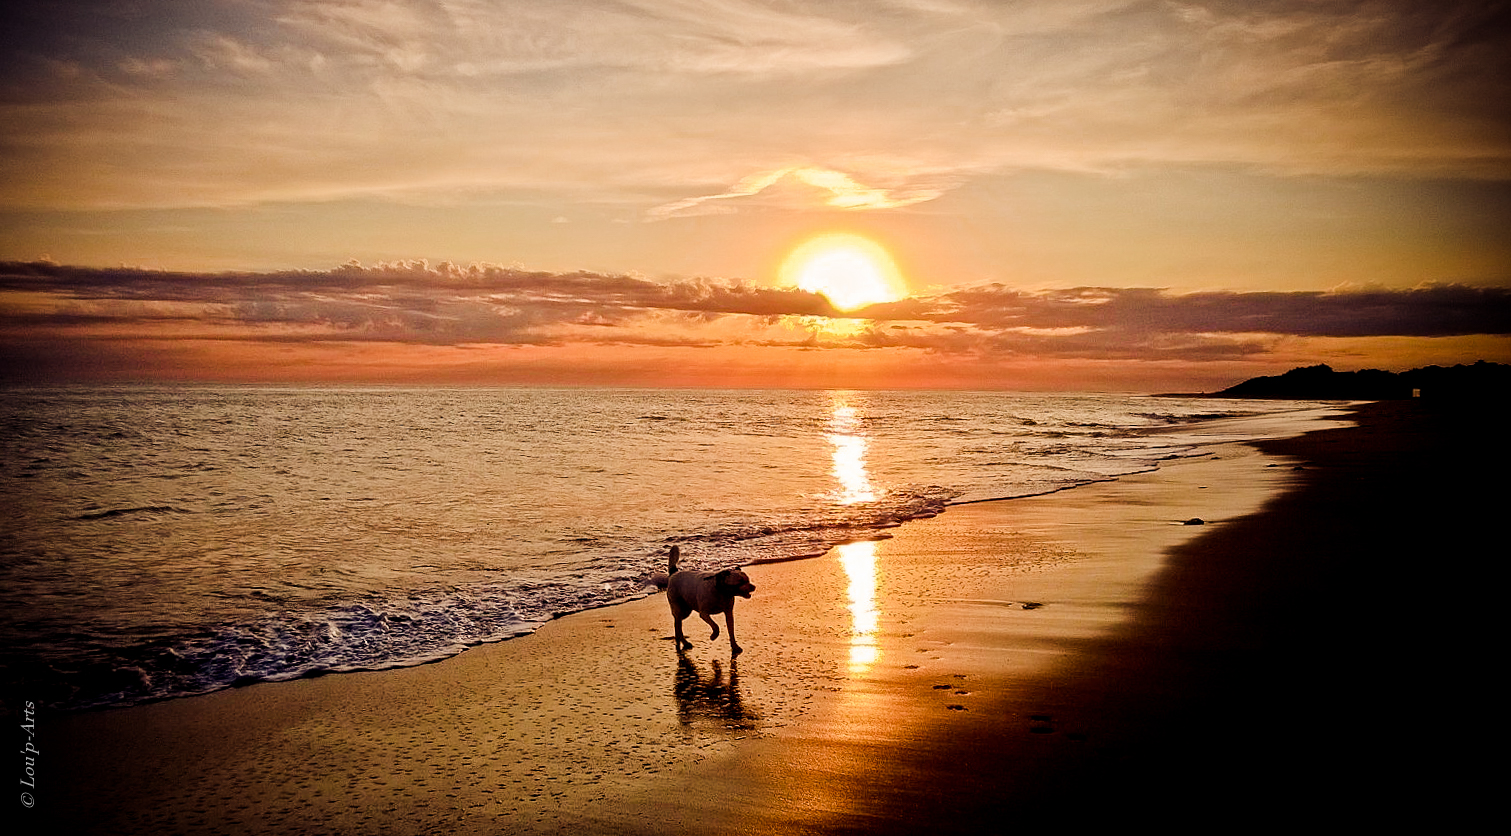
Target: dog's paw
735 650
715 634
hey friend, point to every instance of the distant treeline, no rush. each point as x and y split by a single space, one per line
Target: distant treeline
1481 380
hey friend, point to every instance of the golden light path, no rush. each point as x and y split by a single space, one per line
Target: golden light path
859 562
847 435
849 455
850 270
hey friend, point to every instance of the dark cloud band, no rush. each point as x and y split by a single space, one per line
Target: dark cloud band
414 301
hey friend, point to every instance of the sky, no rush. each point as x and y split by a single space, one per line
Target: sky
1115 195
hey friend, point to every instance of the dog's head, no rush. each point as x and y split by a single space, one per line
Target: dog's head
735 582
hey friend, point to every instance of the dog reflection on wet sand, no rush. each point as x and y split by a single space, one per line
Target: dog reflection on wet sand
711 699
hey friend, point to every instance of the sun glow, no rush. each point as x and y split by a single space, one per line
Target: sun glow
851 271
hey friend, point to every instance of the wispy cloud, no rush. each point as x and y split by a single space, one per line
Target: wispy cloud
135 105
840 189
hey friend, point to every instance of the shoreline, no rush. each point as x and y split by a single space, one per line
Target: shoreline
907 749
594 723
1222 430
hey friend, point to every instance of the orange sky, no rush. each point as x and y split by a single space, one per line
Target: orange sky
1084 194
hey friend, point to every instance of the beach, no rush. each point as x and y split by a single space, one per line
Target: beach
1085 655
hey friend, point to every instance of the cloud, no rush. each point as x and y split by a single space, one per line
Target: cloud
844 192
1428 311
1145 323
407 302
219 103
418 304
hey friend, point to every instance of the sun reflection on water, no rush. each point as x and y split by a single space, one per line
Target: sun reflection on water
850 455
859 562
847 435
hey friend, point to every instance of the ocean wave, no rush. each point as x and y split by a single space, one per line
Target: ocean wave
423 627
377 635
113 513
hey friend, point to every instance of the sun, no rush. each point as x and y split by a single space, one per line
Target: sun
850 270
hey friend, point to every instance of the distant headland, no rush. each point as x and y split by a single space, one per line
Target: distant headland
1480 381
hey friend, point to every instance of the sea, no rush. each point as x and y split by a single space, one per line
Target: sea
160 542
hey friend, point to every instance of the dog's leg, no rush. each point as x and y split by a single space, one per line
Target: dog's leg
706 617
729 621
677 616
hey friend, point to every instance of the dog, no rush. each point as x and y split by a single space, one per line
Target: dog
707 594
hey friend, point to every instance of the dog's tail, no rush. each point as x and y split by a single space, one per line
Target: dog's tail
661 579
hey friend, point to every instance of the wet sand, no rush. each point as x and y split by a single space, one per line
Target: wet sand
1078 657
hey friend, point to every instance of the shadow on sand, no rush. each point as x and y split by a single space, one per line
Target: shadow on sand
711 701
